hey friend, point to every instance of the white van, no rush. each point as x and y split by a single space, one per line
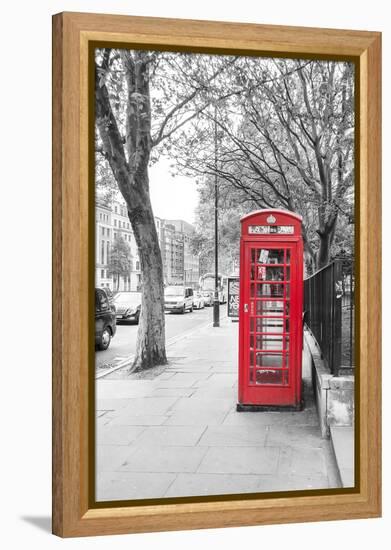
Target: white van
178 298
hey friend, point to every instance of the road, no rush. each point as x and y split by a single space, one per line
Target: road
124 342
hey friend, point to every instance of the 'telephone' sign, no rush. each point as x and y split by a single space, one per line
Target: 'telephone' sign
270 229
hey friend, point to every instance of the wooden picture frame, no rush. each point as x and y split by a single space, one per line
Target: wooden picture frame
73 514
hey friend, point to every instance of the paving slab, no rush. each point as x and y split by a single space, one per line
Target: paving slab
212 484
110 404
224 368
102 421
297 482
240 460
111 457
128 419
166 375
164 459
131 485
216 392
187 436
266 418
117 435
220 380
181 380
172 392
201 404
302 461
148 405
194 417
233 436
99 413
122 389
300 436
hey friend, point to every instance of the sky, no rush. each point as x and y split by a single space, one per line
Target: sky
172 198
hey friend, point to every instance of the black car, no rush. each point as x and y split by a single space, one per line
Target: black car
105 322
127 306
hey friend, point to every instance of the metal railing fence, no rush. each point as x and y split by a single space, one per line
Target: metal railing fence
329 313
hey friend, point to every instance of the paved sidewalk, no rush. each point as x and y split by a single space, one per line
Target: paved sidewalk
180 435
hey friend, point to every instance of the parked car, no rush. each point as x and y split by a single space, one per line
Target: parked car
178 299
208 297
127 306
198 301
105 322
110 296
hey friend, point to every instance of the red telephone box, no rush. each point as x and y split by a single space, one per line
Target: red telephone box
270 314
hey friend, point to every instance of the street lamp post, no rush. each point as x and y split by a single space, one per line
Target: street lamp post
216 302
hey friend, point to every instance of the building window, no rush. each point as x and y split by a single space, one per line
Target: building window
102 273
115 209
102 258
127 225
108 251
115 223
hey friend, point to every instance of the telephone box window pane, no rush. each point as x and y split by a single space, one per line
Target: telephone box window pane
287 273
265 325
287 290
271 325
265 273
270 342
268 324
272 377
269 360
263 290
269 256
266 289
288 256
265 360
273 273
271 307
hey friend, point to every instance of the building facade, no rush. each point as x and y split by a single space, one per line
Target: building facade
189 263
122 228
180 265
103 240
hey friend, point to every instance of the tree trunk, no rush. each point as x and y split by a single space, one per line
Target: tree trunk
324 250
326 237
150 346
131 175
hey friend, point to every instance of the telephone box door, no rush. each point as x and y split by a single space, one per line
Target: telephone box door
271 323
